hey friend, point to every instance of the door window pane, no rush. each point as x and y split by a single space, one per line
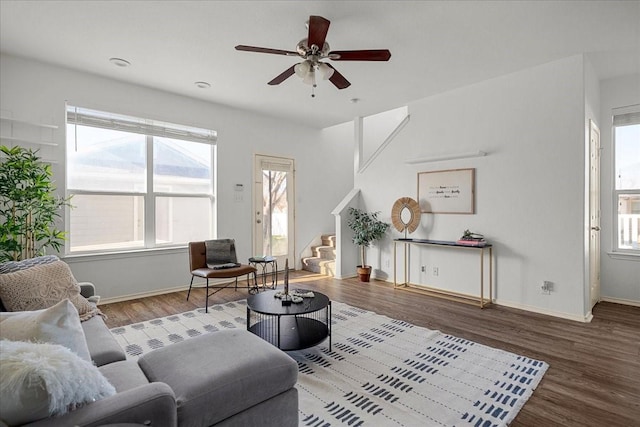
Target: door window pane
275 212
183 219
102 222
105 160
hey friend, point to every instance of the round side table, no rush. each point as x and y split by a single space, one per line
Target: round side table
268 266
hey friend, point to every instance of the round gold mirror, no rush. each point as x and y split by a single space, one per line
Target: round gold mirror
405 215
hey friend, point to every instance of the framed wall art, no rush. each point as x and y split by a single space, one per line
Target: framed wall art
447 191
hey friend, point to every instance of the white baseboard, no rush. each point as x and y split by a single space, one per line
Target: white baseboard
156 292
621 301
348 276
583 319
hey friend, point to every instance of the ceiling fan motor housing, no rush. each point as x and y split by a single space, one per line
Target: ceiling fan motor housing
313 53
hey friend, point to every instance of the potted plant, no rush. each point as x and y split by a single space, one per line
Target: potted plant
366 228
29 206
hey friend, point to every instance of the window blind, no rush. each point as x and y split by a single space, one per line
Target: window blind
100 119
626 115
276 166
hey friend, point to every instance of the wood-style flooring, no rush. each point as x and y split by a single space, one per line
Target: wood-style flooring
594 374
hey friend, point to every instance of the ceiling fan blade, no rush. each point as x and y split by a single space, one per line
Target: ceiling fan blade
338 79
360 55
282 77
266 50
318 28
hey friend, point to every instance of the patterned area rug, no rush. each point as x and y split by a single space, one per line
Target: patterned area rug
380 372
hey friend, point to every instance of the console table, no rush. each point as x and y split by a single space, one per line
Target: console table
443 293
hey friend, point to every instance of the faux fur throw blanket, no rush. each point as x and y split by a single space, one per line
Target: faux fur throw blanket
221 253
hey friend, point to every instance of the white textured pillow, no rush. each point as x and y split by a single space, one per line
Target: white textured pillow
42 380
42 286
58 324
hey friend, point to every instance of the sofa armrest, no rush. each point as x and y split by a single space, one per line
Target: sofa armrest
152 404
87 289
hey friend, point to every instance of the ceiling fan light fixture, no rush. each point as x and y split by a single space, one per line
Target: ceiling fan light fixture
310 77
302 69
326 70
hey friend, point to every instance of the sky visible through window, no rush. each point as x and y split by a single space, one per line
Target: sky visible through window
627 139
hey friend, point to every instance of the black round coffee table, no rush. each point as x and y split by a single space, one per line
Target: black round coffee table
290 327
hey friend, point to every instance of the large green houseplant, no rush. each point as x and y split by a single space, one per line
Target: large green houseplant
29 206
366 228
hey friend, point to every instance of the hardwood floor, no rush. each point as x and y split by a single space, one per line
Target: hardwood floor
594 374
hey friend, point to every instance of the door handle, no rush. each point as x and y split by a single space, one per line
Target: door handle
596 228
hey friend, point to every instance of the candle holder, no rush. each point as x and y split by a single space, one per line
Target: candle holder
286 298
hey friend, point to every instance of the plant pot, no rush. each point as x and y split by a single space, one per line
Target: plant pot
364 273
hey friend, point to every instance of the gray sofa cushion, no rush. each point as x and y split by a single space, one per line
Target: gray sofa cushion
124 375
103 347
280 411
220 374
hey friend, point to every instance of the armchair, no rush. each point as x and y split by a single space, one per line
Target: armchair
198 267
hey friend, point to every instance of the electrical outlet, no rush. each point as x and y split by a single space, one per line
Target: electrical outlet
388 263
434 271
546 287
423 269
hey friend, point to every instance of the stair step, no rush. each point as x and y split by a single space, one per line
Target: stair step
323 261
329 240
319 265
325 252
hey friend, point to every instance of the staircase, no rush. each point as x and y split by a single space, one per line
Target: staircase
323 260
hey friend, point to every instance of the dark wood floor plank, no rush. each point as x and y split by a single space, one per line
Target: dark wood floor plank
594 374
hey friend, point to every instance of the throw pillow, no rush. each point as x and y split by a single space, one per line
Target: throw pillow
220 252
11 266
42 286
58 324
42 380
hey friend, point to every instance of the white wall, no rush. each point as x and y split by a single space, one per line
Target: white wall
620 277
529 189
37 92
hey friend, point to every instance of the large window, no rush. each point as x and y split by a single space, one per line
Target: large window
137 183
626 139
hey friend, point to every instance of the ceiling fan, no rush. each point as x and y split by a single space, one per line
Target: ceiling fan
313 50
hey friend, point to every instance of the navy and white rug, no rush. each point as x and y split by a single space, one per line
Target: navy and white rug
380 372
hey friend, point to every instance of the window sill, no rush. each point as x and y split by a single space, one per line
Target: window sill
134 253
624 256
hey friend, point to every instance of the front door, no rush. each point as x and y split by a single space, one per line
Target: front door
273 195
594 213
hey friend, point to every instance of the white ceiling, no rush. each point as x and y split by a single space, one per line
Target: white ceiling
436 46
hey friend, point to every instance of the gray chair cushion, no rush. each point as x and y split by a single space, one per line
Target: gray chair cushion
220 374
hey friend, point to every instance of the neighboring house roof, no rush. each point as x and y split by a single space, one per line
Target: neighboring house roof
122 154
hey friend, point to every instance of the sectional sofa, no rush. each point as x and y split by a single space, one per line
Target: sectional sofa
224 378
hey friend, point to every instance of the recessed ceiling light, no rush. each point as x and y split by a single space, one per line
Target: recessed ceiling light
203 85
120 62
